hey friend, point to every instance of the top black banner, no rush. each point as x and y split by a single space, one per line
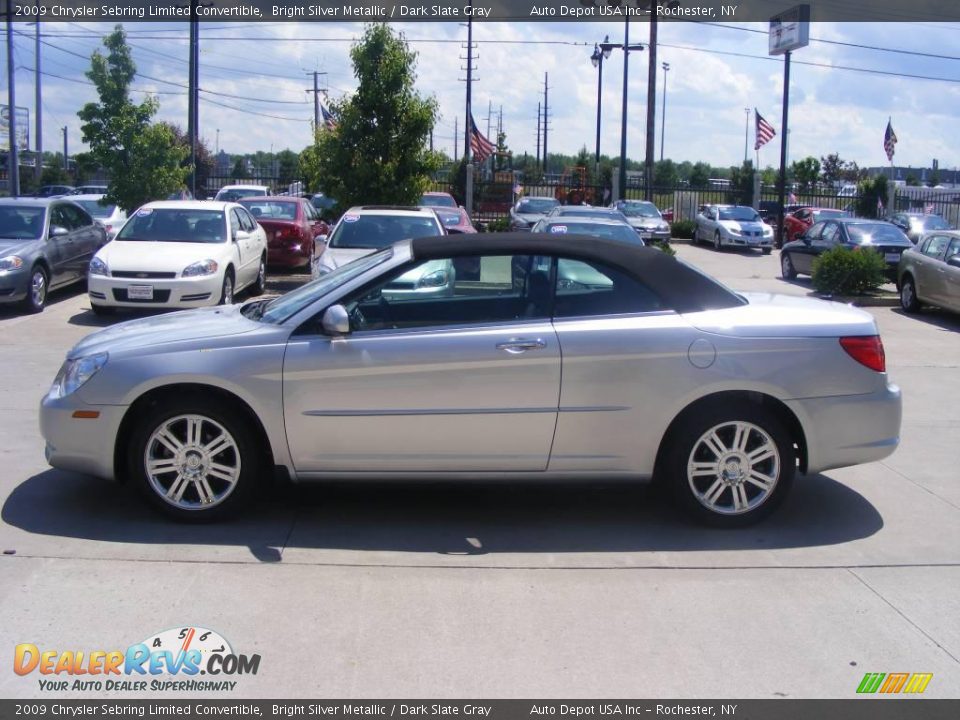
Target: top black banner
485 10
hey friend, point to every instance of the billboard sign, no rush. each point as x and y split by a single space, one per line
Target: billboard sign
790 30
23 128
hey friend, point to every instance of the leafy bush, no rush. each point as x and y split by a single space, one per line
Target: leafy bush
664 246
681 229
498 225
842 271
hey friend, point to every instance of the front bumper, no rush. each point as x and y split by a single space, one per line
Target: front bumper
186 292
849 429
648 235
83 445
14 285
752 242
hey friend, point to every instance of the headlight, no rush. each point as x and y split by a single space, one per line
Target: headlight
767 232
11 262
664 226
204 267
733 231
99 267
75 373
438 278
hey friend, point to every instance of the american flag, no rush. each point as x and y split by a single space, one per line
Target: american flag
480 147
765 131
889 141
328 121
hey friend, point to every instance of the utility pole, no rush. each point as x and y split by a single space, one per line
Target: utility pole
217 151
66 156
456 136
783 144
651 109
539 113
546 116
489 116
38 168
663 110
468 124
13 160
431 138
316 98
193 94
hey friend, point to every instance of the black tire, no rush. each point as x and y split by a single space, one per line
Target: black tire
787 269
101 310
247 450
37 289
696 235
908 295
717 245
226 292
767 251
260 284
693 494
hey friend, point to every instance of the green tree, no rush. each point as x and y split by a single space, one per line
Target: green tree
203 157
378 151
699 175
142 159
741 184
871 195
239 171
831 168
288 169
806 172
769 175
665 174
503 160
934 179
912 180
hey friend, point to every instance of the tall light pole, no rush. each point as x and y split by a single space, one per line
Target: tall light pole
13 161
746 132
597 59
606 48
38 105
663 112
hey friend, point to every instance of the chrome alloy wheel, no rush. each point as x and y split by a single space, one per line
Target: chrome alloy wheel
733 468
192 462
38 288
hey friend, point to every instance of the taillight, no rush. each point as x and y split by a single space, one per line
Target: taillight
866 350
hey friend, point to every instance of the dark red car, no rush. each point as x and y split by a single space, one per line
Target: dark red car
799 221
453 217
292 226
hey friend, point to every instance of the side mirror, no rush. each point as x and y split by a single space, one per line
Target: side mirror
336 321
321 239
58 231
954 261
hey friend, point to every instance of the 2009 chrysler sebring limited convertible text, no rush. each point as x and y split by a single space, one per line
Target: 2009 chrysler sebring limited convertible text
552 356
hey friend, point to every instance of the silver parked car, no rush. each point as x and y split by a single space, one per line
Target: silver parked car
929 274
644 367
732 225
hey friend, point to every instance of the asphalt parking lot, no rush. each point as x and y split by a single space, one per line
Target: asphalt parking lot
506 591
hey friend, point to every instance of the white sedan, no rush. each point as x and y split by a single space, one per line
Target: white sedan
179 254
736 225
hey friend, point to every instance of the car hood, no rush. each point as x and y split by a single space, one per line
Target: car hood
156 256
742 225
770 315
208 323
14 246
530 217
335 257
645 222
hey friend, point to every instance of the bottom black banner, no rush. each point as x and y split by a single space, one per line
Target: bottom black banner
854 709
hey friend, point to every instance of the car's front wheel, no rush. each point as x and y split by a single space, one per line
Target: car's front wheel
36 298
194 461
731 464
908 295
717 244
787 269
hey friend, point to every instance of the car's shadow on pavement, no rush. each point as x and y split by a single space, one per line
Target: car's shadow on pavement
446 519
943 319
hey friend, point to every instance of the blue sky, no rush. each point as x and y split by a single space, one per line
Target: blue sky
832 110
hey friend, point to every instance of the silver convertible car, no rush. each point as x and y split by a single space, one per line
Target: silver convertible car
564 356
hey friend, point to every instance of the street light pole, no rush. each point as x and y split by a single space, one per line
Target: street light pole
663 112
597 59
13 161
623 115
746 132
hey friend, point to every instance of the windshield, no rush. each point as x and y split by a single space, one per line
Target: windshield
438 201
279 309
271 209
639 209
624 233
175 225
828 214
744 214
876 233
377 231
96 208
537 206
584 211
21 223
935 222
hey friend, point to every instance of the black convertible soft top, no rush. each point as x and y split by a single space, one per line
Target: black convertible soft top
678 285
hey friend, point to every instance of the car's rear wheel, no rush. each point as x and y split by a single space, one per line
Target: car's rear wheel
731 464
260 284
101 309
36 299
226 293
908 295
787 269
194 461
717 245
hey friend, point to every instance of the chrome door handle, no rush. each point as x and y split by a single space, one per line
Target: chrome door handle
515 347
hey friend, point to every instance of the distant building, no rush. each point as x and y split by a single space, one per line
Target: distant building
923 175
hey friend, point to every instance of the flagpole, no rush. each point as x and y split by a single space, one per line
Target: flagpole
783 146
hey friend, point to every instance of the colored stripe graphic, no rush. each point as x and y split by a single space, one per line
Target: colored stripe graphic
870 682
918 683
894 682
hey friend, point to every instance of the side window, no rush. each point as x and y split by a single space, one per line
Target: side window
246 221
591 289
61 217
935 245
308 212
814 232
235 224
952 249
829 234
77 216
445 292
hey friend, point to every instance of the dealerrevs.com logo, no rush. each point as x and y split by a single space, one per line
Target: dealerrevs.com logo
176 660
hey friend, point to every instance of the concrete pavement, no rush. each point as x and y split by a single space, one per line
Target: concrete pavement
492 591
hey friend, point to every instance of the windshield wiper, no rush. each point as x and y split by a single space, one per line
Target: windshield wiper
255 310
